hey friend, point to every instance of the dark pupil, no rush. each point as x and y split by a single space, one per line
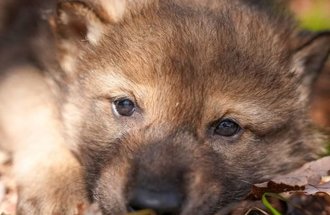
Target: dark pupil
125 107
227 128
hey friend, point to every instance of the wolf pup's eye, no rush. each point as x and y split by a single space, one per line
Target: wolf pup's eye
227 128
124 107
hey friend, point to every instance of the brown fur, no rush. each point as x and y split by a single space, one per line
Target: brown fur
186 64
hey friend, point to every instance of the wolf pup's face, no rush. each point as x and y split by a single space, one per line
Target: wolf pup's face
181 107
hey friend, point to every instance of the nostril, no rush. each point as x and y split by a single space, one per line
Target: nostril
160 201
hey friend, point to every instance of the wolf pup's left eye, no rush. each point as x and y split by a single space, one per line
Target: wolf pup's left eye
124 107
227 128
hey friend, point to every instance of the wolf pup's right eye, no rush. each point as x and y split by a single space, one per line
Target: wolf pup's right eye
227 128
124 107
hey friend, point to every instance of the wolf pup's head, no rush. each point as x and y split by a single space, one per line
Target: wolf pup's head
180 105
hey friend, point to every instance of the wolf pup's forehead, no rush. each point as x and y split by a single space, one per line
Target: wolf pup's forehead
197 41
203 48
221 50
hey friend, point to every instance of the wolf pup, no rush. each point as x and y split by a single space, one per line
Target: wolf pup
173 105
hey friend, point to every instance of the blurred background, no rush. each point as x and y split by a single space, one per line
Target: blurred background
315 15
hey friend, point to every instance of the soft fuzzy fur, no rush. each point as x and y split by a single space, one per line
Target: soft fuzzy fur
186 64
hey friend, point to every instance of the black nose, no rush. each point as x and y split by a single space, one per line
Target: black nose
167 202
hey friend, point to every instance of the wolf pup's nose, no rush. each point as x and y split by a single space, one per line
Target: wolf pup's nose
168 201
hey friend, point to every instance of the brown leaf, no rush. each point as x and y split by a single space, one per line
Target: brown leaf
308 178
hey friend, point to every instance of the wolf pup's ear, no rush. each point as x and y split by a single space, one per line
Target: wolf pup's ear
309 58
84 22
87 18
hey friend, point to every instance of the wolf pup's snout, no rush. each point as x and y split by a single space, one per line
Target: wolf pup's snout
166 201
163 177
158 184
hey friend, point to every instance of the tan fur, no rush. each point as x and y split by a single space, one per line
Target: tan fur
44 168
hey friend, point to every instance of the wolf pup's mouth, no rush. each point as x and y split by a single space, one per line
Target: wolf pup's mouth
141 212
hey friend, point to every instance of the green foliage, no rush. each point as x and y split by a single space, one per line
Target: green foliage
318 18
268 205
